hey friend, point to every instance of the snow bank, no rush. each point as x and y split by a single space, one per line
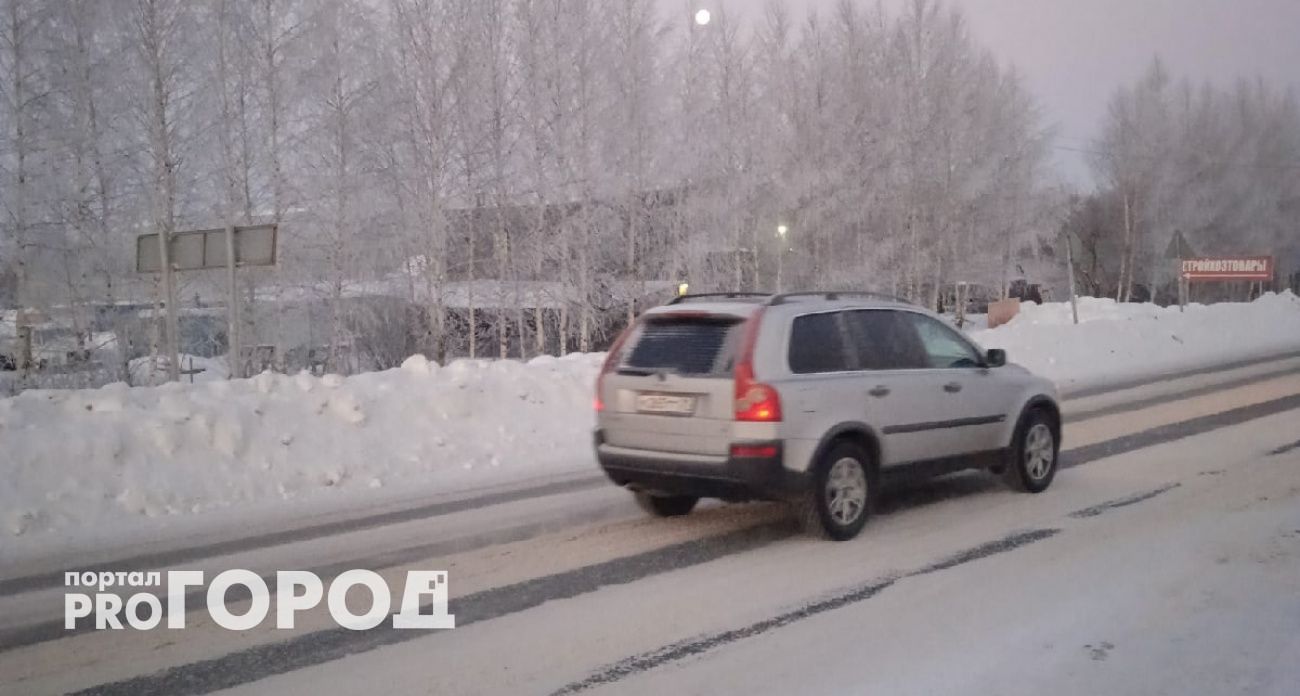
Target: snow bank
89 463
1116 342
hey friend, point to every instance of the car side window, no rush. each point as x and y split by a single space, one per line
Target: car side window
817 344
885 340
944 348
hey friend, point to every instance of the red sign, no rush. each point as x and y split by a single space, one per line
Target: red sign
1236 268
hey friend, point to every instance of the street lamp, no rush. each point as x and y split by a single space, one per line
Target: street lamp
781 231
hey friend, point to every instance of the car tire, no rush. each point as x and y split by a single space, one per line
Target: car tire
666 505
1035 456
841 494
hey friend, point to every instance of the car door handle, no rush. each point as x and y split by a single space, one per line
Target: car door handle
879 392
952 387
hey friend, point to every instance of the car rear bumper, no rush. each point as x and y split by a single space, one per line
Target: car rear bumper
725 477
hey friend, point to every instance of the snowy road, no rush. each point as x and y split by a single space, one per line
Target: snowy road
1165 559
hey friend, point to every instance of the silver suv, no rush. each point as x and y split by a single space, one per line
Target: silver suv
817 398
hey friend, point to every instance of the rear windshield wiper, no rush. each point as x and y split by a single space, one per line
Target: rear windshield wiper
646 371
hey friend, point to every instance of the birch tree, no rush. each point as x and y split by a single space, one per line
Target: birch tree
429 61
160 31
22 92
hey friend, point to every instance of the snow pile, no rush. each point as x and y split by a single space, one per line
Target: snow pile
1117 342
84 462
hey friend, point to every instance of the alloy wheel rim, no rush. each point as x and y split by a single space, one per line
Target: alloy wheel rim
846 491
1040 452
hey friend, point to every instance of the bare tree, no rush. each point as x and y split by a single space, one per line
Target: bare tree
160 29
428 64
22 22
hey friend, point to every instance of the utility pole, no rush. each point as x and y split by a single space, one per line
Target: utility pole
781 231
1069 265
171 325
232 308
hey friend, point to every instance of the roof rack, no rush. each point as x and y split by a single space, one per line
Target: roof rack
723 295
835 295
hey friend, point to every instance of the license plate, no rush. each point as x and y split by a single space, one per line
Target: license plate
665 403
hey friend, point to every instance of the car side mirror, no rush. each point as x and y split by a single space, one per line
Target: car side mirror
996 357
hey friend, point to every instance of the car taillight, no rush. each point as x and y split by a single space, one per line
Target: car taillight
611 361
755 401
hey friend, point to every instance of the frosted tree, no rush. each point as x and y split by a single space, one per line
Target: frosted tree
22 92
633 74
163 106
275 26
1133 151
444 171
344 61
429 58
1210 163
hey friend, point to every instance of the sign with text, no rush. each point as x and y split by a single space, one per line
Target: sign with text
200 249
1232 268
106 599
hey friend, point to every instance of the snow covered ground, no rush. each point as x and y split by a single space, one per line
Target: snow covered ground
84 468
1116 342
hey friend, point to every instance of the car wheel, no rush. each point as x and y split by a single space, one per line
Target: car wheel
1035 455
666 505
842 491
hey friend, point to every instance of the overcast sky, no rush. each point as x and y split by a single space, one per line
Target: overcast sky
1074 53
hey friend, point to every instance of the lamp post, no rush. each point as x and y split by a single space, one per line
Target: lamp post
781 231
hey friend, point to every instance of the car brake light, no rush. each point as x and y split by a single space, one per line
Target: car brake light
755 401
611 360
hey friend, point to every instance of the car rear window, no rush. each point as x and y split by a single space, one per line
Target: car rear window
687 346
817 344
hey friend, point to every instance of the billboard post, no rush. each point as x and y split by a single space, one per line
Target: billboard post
225 249
171 322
